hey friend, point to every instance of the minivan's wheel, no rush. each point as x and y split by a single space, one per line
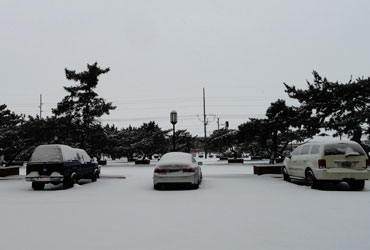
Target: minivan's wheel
310 179
356 184
286 176
38 185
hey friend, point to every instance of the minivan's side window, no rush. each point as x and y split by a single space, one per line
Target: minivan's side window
305 149
296 151
315 149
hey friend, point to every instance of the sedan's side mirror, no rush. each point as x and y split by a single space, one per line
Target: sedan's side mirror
200 163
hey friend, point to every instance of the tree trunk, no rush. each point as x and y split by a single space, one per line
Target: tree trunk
357 134
273 148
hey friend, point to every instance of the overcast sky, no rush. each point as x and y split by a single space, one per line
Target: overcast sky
162 53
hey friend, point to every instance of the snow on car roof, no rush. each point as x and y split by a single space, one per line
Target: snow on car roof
175 157
54 153
324 142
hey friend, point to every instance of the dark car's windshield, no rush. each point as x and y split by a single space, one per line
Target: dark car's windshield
343 149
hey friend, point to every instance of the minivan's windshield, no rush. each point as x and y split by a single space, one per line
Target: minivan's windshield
346 149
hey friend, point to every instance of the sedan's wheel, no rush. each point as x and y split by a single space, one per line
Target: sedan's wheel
195 186
286 176
38 185
357 184
156 186
310 179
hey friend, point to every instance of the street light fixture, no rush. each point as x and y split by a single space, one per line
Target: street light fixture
173 119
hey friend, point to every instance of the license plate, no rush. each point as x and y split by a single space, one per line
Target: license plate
346 164
173 170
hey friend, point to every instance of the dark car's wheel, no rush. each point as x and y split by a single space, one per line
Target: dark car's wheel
310 179
157 186
38 185
95 176
286 176
356 184
69 182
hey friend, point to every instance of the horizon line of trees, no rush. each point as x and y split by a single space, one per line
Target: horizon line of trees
324 105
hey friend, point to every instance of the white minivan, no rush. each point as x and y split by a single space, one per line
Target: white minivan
334 161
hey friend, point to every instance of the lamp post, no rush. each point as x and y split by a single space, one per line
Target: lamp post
173 119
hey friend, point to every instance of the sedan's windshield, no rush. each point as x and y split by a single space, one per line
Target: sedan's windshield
344 149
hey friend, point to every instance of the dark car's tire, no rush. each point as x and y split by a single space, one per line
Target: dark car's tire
286 176
157 186
95 175
195 186
357 184
38 185
69 182
311 179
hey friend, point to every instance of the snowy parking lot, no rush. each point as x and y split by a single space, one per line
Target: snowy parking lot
233 209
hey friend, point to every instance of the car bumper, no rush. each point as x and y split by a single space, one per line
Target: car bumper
193 179
341 174
53 178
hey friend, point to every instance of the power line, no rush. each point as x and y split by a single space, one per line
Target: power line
169 100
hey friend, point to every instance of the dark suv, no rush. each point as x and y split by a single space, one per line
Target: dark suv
57 164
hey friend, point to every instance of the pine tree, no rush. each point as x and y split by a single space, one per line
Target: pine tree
10 139
82 106
342 107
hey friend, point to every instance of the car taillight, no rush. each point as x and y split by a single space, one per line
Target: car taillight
158 170
322 163
368 163
189 170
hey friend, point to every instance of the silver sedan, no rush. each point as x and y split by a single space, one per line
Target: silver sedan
177 167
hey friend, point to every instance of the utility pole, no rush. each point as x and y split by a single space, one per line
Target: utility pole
205 123
40 106
218 123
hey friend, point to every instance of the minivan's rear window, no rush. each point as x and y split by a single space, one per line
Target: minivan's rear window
343 149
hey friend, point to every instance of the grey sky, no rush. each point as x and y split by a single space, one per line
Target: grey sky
162 53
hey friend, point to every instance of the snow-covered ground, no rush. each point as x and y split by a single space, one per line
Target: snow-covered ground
233 209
